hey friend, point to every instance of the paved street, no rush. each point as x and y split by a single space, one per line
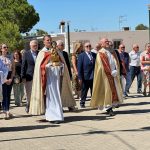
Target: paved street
86 129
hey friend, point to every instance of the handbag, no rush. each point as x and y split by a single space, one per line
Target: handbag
17 79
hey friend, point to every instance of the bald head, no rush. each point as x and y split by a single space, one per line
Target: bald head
104 42
135 47
98 46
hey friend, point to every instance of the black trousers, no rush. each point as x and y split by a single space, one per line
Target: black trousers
86 84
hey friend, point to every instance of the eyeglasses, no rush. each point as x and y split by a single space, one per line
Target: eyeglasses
34 45
122 47
88 46
137 47
5 47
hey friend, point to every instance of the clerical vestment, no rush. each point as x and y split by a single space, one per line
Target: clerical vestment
106 87
37 102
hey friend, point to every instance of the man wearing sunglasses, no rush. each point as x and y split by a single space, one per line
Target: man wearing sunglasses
125 75
86 64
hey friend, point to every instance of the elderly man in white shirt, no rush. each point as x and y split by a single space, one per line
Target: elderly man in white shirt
135 68
97 48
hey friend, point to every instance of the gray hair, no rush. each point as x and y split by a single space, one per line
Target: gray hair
33 42
59 42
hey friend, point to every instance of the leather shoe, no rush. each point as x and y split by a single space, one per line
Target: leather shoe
128 91
27 110
71 109
139 92
144 93
117 106
55 122
82 106
110 112
125 95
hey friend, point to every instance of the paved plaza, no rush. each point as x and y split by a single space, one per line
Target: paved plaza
85 129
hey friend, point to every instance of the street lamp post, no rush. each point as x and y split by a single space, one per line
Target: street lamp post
149 20
68 35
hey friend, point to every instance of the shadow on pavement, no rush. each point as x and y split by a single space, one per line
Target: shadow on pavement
22 116
25 128
84 118
135 104
134 130
133 111
89 133
78 110
88 108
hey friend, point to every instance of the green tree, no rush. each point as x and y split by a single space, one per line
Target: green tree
141 27
9 34
19 12
40 32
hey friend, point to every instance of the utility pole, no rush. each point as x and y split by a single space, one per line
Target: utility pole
121 19
149 20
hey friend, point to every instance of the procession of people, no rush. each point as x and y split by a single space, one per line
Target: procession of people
49 77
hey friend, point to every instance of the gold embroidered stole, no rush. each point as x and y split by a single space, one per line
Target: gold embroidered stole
107 70
45 61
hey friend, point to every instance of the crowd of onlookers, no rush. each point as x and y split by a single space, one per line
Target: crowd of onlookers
83 67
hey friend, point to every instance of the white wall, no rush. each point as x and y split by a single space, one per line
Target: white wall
128 37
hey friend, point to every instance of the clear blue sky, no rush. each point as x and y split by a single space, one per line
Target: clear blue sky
90 15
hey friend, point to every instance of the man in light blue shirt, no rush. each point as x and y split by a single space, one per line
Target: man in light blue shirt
3 76
135 68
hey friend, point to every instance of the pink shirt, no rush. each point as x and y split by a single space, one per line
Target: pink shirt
145 56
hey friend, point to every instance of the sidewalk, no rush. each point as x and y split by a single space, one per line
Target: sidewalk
86 129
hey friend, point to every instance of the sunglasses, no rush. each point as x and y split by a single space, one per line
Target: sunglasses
5 47
122 47
88 46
